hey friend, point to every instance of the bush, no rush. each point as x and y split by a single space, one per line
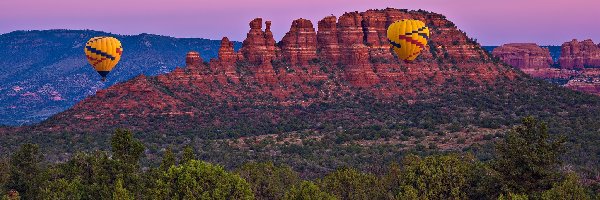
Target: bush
197 179
434 177
267 180
348 183
307 191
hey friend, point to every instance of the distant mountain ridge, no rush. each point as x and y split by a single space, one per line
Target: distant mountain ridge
45 72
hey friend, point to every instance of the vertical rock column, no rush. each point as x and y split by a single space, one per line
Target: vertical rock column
259 50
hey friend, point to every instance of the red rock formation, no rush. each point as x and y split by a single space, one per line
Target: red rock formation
536 61
299 45
193 59
225 64
270 41
375 25
524 56
139 94
577 55
352 52
259 49
227 54
327 39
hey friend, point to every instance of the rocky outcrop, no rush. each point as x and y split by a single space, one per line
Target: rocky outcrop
299 45
225 64
346 58
375 25
257 47
576 61
259 50
327 39
579 55
227 54
525 56
193 59
355 54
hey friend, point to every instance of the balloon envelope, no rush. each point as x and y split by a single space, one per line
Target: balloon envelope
103 53
408 37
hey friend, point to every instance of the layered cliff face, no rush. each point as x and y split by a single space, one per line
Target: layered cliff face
584 57
346 58
531 59
526 57
577 63
327 40
579 55
224 65
259 50
299 45
192 59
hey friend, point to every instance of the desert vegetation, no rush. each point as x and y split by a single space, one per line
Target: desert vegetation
526 164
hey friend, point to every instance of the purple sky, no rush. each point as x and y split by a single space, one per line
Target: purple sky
492 22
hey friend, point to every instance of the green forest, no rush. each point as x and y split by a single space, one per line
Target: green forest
526 164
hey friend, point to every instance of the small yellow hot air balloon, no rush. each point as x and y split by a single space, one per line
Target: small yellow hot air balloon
408 37
103 53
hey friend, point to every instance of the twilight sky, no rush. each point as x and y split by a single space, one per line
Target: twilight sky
492 22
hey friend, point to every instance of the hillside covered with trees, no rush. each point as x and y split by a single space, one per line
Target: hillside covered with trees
526 164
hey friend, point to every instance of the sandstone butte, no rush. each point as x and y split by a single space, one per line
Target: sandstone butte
524 56
579 55
536 61
348 55
585 57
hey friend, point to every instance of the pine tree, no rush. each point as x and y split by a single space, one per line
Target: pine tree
168 160
188 154
435 177
126 148
267 180
24 171
120 193
127 152
63 189
307 190
201 180
511 196
4 173
348 183
527 160
567 189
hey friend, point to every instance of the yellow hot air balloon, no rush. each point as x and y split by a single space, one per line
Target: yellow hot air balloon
103 53
408 37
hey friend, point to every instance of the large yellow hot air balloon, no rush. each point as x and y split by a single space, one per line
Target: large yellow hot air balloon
103 53
408 37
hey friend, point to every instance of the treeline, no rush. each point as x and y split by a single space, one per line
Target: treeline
526 165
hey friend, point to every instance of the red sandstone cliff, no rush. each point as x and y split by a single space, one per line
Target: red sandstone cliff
578 55
259 49
536 61
347 56
526 56
299 45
